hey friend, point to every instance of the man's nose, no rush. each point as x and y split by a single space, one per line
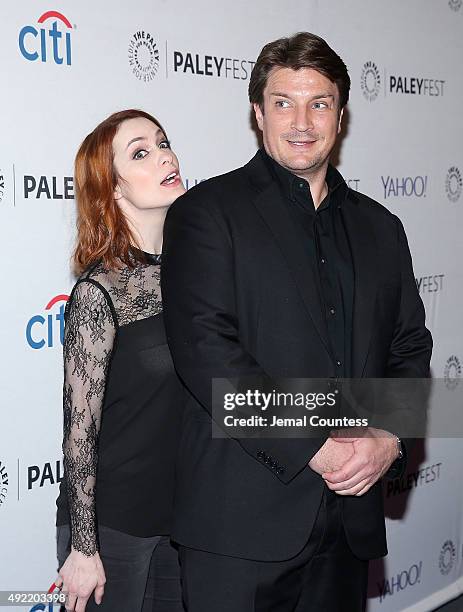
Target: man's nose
302 120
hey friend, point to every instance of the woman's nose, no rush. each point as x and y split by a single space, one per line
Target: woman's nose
166 157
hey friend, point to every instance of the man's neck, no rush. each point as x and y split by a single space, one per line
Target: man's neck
318 185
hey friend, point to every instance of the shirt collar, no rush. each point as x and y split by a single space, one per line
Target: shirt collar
290 183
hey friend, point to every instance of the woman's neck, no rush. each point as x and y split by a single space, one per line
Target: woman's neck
147 227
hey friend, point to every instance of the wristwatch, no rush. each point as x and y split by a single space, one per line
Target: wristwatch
399 448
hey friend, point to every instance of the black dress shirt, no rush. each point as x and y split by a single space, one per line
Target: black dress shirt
324 235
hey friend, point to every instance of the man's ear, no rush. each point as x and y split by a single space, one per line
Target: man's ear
340 120
259 116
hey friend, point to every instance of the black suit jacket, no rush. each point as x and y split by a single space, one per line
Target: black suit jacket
239 299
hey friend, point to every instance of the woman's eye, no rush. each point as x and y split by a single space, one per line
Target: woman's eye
164 144
140 154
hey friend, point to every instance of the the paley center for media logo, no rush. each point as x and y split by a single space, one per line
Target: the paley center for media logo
452 372
49 40
371 83
453 184
143 54
447 557
2 184
4 483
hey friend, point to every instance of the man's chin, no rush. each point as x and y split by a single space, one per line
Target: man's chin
302 165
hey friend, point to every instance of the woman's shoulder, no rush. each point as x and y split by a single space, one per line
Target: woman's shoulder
93 287
99 276
131 292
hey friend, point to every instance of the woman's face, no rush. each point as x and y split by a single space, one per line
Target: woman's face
147 166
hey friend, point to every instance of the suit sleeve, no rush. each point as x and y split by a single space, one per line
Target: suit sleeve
410 352
202 324
411 348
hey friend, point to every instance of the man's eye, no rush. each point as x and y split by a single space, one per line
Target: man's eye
164 144
140 154
320 105
282 103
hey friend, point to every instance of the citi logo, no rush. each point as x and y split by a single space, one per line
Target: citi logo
47 42
46 331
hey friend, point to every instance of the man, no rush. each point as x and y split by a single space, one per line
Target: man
279 269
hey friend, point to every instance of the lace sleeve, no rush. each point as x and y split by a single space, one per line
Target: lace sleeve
88 342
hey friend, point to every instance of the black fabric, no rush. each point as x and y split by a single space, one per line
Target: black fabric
238 290
324 576
325 239
122 407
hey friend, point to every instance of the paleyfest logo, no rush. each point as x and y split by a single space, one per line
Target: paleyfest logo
397 84
455 5
48 42
453 184
143 56
370 81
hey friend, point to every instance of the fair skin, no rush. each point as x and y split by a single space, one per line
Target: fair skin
149 183
143 159
300 120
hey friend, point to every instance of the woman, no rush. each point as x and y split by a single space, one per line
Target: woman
122 398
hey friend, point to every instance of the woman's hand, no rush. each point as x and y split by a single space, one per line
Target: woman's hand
79 577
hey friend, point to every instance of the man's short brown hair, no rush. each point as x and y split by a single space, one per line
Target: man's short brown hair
302 50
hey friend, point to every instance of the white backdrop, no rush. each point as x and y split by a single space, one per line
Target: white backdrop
188 63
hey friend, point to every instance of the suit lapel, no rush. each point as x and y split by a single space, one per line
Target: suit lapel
301 264
364 250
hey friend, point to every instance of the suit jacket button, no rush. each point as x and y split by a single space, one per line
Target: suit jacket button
274 465
281 470
268 459
261 455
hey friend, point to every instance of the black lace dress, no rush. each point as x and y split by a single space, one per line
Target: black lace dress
122 407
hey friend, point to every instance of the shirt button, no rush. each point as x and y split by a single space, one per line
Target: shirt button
338 363
323 260
301 185
332 311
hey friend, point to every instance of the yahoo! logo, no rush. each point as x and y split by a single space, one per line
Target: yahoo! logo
32 49
40 330
405 186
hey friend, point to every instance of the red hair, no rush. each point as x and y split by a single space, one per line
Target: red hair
103 233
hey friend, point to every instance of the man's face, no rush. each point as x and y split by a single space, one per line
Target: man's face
301 119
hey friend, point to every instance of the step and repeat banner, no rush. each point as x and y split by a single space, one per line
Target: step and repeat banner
65 66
